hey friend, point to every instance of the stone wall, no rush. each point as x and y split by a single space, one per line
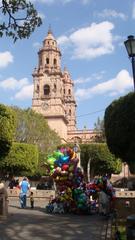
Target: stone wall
125 203
41 197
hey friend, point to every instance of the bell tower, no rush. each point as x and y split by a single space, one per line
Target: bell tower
70 103
53 89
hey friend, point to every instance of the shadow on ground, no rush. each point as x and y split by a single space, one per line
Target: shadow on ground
28 224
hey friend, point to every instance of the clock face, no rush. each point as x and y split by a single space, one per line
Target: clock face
45 105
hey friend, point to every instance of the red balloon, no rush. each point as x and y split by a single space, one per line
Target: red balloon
65 167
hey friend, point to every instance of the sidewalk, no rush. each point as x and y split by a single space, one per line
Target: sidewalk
28 224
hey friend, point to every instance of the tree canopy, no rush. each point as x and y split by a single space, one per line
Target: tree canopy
101 160
24 127
21 159
19 20
7 129
120 129
32 128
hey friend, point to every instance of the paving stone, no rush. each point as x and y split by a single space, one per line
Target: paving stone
29 224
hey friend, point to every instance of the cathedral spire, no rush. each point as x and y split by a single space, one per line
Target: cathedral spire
50 35
49 29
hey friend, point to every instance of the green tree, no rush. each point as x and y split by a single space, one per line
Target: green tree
7 129
101 160
21 159
120 129
32 128
20 18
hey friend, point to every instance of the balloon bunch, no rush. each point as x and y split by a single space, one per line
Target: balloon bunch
63 165
63 168
101 184
73 194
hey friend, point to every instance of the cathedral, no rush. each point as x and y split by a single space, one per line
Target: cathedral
53 94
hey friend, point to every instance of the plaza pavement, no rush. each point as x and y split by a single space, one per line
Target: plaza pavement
35 224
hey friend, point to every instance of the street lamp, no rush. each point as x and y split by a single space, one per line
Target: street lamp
130 47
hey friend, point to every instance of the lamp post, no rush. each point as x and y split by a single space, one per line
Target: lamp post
130 47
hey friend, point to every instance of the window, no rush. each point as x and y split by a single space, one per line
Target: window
69 91
54 87
47 60
37 90
69 112
64 91
55 61
46 89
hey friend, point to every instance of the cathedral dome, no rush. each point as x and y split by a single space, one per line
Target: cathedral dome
50 40
50 36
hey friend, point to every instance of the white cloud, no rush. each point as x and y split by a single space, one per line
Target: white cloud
94 76
90 42
82 80
25 93
110 13
5 59
133 11
13 84
62 40
115 86
24 88
37 45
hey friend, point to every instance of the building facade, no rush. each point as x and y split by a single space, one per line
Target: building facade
53 95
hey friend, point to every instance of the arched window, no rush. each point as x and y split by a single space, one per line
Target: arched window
47 60
64 91
55 61
46 89
37 90
54 87
69 112
69 91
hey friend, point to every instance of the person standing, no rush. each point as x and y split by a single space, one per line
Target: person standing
31 200
24 186
4 195
103 203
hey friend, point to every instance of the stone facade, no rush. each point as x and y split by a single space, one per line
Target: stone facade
53 94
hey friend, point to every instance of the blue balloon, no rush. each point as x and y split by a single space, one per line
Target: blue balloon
56 162
64 159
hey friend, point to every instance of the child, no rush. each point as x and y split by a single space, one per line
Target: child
31 200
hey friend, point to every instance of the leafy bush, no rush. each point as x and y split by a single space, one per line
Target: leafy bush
7 129
21 158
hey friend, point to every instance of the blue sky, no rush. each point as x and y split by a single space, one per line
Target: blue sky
91 35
